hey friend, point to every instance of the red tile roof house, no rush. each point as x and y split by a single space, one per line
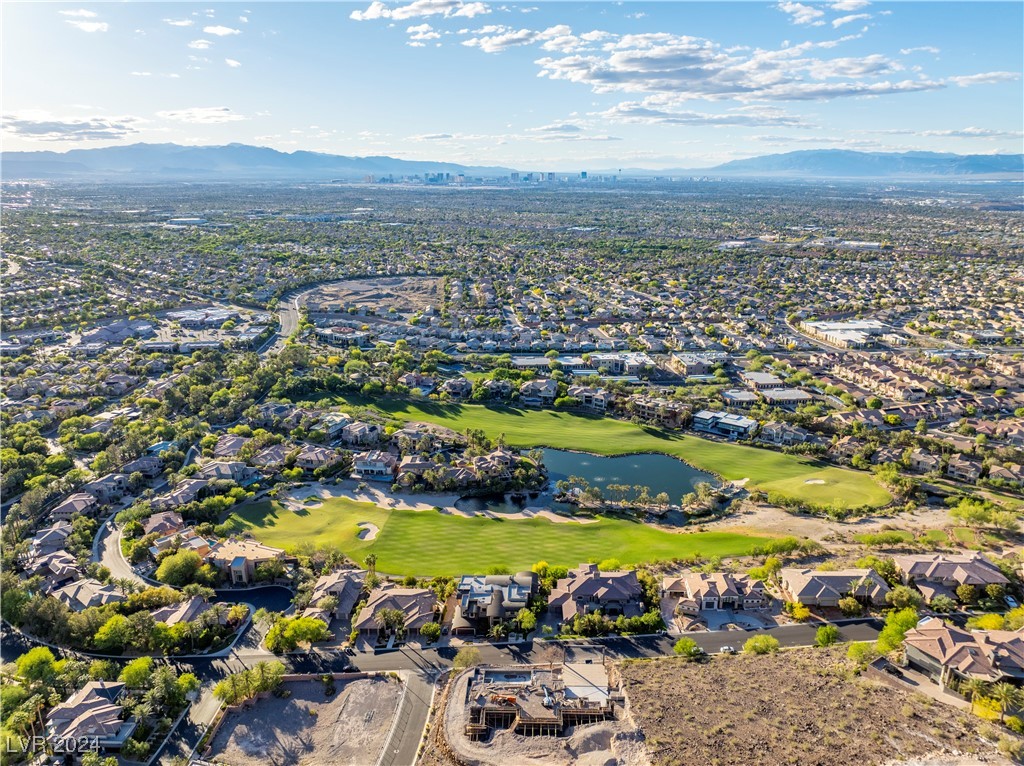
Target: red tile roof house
945 652
942 573
811 587
418 606
587 589
698 591
91 712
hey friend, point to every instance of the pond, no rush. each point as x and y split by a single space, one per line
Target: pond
659 473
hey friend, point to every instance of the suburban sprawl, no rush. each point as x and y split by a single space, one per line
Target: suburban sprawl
534 469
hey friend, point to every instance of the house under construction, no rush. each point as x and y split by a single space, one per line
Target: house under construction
538 701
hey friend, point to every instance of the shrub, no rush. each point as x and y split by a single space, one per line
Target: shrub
850 606
1014 724
761 645
467 657
861 652
826 635
687 647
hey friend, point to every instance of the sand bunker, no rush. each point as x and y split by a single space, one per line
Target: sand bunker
815 481
367 531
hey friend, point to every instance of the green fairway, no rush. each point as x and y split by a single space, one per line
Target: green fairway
428 543
766 469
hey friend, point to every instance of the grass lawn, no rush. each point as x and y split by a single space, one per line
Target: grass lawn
428 543
766 469
939 536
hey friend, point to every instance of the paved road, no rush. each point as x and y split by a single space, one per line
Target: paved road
107 550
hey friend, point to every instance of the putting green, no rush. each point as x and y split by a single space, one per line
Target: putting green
765 469
429 543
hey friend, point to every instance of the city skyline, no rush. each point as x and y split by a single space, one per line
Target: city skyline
681 84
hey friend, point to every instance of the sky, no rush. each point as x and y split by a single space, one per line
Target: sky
534 85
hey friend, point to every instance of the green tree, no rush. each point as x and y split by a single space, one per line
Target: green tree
903 597
967 594
36 665
1006 695
431 631
897 623
136 674
850 606
179 568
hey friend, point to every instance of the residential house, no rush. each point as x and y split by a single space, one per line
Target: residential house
346 585
963 468
361 433
238 559
699 591
942 573
180 540
230 445
593 400
82 594
812 587
486 600
149 466
78 504
49 539
92 714
185 492
163 523
587 589
418 606
272 458
457 388
224 470
924 462
784 434
57 569
946 652
184 611
761 381
375 465
1012 473
108 489
333 424
538 393
724 424
312 458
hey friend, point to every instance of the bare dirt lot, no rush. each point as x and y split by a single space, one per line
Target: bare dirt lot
346 729
802 706
405 294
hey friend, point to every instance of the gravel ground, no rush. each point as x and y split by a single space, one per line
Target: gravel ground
311 729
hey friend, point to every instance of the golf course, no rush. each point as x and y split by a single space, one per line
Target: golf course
794 476
431 543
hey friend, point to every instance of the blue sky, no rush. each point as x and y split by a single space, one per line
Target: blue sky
541 85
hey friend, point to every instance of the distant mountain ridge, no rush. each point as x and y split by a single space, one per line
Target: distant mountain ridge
241 161
843 163
173 161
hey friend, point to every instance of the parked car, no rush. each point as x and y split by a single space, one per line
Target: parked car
728 650
1011 602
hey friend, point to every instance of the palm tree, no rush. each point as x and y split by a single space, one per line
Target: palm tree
1007 695
973 688
371 563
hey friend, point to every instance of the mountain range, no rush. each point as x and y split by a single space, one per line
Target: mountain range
240 161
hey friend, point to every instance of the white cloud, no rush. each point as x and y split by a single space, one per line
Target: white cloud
141 74
849 5
422 32
90 26
558 128
920 49
221 31
836 23
202 115
802 14
420 8
200 45
986 133
657 110
232 63
558 37
81 13
179 22
44 127
984 78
